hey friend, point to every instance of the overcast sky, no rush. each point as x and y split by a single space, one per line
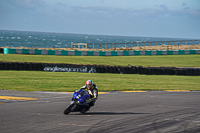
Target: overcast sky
146 18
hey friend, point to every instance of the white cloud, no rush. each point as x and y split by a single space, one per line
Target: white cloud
130 17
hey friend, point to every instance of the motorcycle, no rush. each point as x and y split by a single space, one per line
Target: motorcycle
78 102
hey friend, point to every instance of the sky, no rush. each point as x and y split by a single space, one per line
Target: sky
145 18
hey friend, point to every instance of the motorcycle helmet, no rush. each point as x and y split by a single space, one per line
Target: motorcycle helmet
89 84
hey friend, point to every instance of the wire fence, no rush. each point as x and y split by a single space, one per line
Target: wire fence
133 44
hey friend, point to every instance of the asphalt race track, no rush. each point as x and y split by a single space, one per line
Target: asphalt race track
137 112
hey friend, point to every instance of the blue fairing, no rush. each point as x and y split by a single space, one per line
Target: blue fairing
81 95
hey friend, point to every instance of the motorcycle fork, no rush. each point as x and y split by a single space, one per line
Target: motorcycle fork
74 107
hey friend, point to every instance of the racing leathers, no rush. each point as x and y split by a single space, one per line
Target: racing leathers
93 92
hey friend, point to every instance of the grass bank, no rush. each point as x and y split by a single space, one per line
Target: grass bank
63 81
167 60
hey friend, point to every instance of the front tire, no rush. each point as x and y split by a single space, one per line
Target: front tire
68 109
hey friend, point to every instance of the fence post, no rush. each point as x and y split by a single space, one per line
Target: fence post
93 45
100 46
106 45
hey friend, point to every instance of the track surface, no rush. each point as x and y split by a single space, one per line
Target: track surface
145 112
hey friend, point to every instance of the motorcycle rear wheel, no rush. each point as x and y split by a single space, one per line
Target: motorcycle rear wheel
83 110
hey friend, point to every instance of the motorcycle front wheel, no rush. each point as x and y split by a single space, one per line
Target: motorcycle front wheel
68 109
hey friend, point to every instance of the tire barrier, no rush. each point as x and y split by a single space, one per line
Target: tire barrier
24 66
51 67
1 50
99 53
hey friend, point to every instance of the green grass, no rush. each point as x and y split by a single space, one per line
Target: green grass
167 60
64 81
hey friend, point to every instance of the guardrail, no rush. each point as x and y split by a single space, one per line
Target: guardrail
133 44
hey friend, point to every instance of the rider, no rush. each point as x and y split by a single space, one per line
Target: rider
92 90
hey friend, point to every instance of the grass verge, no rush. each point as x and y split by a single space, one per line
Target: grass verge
63 81
162 60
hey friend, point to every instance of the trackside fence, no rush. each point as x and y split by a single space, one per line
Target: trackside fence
134 44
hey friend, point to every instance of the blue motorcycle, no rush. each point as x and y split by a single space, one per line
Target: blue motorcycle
78 102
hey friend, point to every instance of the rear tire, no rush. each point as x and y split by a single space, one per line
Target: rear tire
83 110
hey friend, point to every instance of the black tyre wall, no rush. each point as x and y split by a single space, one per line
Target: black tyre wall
103 69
